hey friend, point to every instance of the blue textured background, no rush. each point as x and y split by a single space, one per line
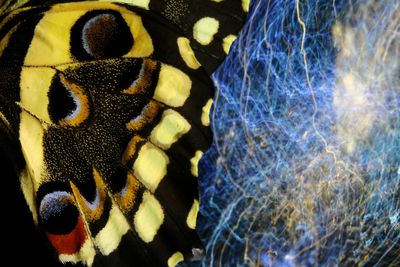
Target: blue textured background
304 169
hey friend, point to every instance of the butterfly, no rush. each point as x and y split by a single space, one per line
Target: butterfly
104 111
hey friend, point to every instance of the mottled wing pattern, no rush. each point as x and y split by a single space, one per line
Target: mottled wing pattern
106 106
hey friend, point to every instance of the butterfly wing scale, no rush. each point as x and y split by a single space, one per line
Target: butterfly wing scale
110 108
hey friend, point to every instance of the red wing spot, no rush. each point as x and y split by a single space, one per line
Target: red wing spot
70 243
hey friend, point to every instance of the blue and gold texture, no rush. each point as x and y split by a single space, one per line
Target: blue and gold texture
104 107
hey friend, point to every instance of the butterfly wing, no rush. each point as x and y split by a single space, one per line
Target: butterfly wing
110 106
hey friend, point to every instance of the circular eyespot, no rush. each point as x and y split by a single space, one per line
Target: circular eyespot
58 214
100 34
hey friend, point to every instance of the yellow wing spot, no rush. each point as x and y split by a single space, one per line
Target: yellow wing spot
86 254
150 167
192 215
205 115
50 44
175 259
139 3
245 5
148 218
187 53
35 85
171 127
143 46
195 162
227 42
218 1
31 138
108 239
173 87
205 29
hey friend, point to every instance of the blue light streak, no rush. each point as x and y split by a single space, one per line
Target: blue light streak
304 169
